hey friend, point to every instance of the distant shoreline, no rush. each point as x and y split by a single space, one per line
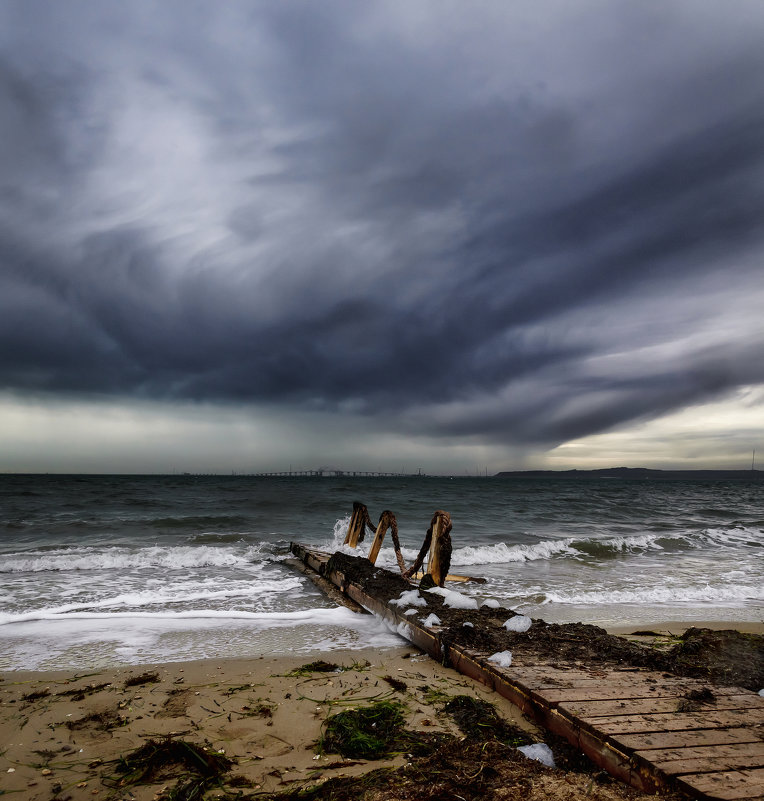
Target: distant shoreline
641 473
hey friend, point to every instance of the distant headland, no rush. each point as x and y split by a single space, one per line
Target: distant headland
639 473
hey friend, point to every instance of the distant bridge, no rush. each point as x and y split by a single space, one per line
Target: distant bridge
338 473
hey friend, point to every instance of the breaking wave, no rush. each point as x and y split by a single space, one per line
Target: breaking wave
131 605
121 558
727 594
587 548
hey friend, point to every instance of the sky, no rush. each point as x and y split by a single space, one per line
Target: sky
448 236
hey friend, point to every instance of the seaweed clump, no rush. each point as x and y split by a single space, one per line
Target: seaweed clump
721 657
319 666
198 768
375 732
480 722
35 696
371 732
150 677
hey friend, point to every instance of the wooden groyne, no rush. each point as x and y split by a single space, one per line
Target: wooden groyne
649 728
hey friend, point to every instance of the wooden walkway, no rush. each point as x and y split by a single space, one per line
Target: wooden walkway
651 730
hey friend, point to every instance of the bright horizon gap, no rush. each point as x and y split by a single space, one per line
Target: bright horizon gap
141 437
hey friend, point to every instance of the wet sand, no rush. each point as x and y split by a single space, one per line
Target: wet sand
59 742
62 733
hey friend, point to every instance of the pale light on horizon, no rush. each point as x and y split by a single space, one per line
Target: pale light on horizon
106 436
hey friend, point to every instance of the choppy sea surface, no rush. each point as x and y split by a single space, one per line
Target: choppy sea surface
105 570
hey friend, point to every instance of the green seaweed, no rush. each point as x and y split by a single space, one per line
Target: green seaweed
371 732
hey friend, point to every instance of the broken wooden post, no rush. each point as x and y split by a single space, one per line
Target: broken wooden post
440 547
357 523
384 524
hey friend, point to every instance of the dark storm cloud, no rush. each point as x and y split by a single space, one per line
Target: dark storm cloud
521 224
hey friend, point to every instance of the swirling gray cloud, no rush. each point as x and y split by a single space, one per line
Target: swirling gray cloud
518 223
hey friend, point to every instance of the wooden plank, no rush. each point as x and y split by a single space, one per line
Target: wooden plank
541 677
591 743
678 739
325 586
579 705
639 690
726 785
706 759
455 577
649 706
634 724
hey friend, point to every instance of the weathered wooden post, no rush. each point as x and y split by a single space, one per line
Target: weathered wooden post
440 547
356 526
384 524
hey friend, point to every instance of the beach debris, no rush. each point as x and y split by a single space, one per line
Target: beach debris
36 695
149 677
541 752
366 733
519 623
396 684
258 709
480 721
198 767
703 695
724 657
319 666
375 732
80 693
501 658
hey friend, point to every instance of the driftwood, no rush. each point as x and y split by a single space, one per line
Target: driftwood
437 542
359 522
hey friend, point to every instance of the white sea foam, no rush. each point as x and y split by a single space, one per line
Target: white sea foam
501 658
164 596
541 752
94 641
519 623
121 558
431 620
501 552
454 599
319 616
409 597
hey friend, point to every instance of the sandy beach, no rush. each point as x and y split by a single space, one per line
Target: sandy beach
64 733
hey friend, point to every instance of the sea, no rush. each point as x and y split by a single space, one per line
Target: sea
99 571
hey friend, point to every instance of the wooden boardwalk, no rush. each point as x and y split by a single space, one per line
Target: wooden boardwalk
649 729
